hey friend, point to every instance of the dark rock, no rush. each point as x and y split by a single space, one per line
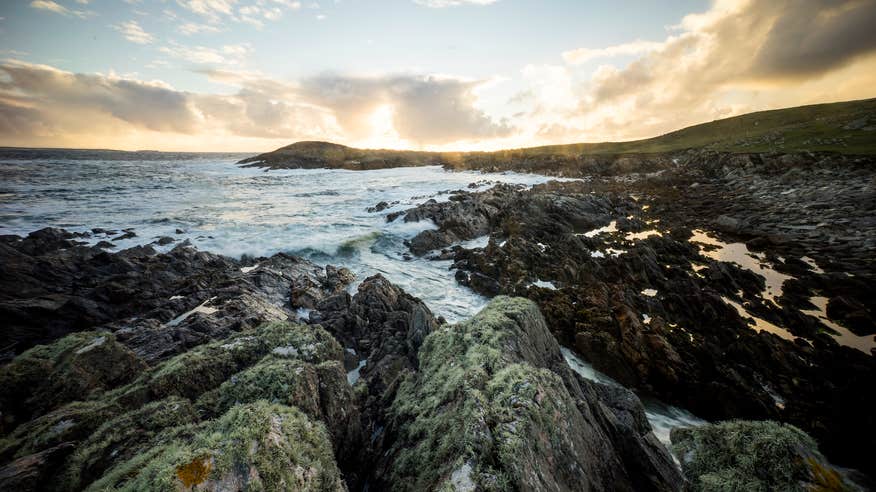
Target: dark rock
126 235
380 207
33 472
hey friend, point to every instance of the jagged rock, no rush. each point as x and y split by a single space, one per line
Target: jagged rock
494 406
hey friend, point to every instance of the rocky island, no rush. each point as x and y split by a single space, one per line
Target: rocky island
724 268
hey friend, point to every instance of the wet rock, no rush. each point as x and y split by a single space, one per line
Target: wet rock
604 242
380 207
126 235
307 291
165 240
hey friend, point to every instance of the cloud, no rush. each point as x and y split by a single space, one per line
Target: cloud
425 109
208 8
437 4
133 32
738 56
190 28
44 104
817 36
232 54
50 6
582 55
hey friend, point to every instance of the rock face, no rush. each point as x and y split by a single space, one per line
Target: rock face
494 407
738 455
619 267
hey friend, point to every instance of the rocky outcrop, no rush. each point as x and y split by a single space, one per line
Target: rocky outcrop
613 266
494 406
740 455
157 304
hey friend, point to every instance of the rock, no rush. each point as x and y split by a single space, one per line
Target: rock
122 438
486 387
126 235
746 455
72 368
380 207
607 241
205 367
164 240
254 446
31 473
319 390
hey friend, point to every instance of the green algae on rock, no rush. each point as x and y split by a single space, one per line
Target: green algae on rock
755 456
255 446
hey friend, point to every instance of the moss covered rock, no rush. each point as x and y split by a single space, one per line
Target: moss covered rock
72 422
258 446
72 368
487 411
205 367
753 456
277 380
123 437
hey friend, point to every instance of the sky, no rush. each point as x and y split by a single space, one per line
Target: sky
254 75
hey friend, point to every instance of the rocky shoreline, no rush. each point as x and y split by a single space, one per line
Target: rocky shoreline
190 370
717 283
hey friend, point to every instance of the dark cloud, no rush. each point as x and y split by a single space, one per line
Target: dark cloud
813 36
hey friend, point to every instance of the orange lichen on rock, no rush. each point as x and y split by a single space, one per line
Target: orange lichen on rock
196 472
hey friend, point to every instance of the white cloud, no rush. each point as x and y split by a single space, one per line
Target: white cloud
133 32
50 6
437 4
209 8
190 28
582 55
202 55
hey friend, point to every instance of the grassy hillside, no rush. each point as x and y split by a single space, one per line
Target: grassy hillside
844 127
